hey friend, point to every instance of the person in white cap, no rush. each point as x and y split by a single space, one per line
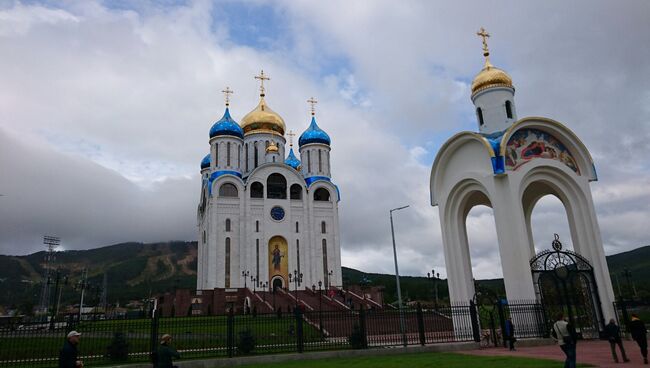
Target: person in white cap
68 354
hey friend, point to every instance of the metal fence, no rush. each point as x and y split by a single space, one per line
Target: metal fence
625 308
106 341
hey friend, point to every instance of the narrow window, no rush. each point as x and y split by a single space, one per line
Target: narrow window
273 158
228 154
323 227
479 113
298 254
239 157
216 154
325 267
257 260
297 227
320 162
308 161
257 226
227 263
227 224
255 155
246 155
203 237
508 110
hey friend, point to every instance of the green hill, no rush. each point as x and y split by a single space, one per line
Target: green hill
136 270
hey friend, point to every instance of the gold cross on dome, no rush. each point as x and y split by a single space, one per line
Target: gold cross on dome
312 101
484 35
291 134
262 77
227 92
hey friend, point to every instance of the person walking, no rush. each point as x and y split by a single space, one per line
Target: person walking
68 354
509 334
640 335
613 333
565 335
165 353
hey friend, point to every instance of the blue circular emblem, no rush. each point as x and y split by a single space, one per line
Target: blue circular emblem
277 213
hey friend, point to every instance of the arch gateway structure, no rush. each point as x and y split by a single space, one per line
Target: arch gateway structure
264 213
508 165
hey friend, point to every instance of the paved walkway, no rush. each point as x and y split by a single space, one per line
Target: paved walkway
596 353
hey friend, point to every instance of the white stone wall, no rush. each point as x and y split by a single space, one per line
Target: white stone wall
492 102
315 160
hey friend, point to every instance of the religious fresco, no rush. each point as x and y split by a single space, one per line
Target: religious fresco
278 262
529 144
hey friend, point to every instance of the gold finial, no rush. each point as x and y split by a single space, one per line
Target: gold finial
484 35
262 77
312 101
227 92
291 134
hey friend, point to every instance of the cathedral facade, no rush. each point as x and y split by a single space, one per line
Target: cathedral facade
266 217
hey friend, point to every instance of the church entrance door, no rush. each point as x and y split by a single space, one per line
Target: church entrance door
278 262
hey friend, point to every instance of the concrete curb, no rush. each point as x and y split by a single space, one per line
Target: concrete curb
278 358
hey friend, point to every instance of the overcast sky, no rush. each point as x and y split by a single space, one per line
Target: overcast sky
105 109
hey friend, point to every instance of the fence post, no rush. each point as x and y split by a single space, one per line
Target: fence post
473 315
153 336
299 334
230 332
502 321
420 318
362 327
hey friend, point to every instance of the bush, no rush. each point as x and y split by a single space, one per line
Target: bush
356 337
118 350
246 342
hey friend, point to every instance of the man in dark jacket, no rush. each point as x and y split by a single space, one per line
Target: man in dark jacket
68 354
613 333
509 334
640 335
166 353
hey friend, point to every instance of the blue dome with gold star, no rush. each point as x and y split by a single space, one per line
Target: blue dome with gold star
313 134
226 126
205 163
292 160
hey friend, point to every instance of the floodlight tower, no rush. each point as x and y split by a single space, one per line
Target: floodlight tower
51 242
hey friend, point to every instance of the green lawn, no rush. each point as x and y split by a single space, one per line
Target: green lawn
419 360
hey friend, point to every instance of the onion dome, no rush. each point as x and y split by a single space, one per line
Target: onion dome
313 134
205 163
272 148
490 76
226 126
292 160
263 120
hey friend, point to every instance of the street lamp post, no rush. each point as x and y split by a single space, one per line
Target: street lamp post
435 277
399 289
264 285
245 274
320 306
297 279
254 282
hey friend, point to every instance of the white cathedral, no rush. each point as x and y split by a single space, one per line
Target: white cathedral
266 218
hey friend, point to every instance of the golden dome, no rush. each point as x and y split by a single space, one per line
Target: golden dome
262 120
272 148
490 76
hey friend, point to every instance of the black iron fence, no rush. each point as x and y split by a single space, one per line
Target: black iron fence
106 341
626 308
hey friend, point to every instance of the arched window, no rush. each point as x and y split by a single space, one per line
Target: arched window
276 187
508 110
227 276
216 154
320 161
479 113
255 154
228 190
295 191
257 190
246 155
257 226
203 237
227 224
322 194
297 227
239 157
323 227
308 161
228 154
